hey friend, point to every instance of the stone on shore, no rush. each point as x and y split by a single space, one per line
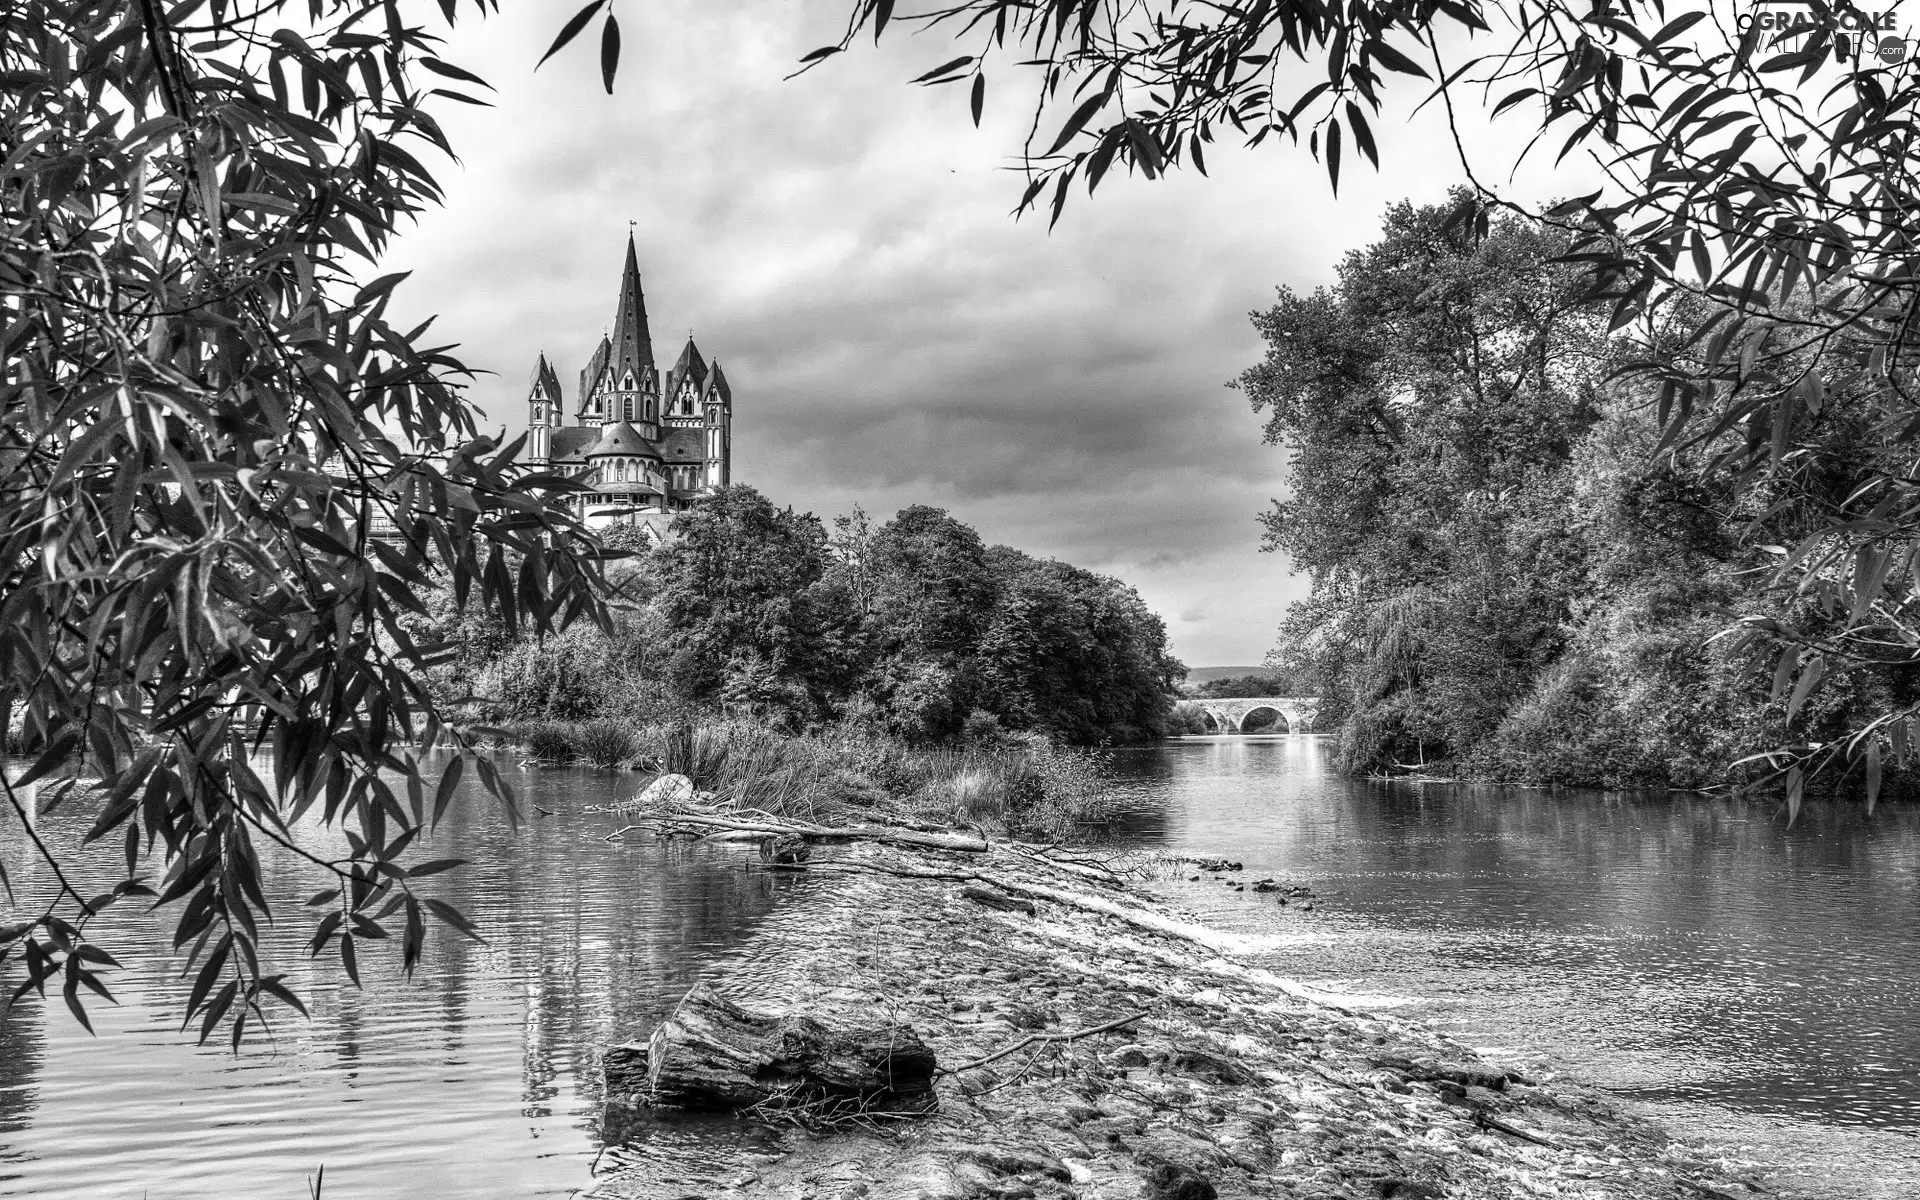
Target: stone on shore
666 792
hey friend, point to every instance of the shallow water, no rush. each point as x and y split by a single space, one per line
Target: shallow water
478 1077
1756 984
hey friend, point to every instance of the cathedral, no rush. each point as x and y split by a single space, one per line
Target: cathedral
647 446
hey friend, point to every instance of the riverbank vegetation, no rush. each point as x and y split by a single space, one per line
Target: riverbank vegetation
914 628
1019 785
904 667
1511 576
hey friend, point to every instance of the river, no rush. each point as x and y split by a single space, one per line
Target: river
1751 983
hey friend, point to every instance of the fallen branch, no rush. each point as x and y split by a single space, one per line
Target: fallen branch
841 866
1100 875
1070 1035
884 834
1212 939
1487 1119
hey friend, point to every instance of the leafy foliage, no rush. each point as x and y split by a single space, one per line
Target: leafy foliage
1506 579
914 626
229 476
1277 683
1755 239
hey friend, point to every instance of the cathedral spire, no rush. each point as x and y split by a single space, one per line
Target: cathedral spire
632 344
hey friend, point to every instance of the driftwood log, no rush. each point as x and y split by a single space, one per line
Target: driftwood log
718 826
995 898
713 1054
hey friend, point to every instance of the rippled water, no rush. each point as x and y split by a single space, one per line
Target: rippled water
1756 983
476 1078
1760 982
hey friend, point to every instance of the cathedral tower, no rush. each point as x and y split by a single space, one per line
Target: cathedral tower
543 411
717 407
620 383
645 446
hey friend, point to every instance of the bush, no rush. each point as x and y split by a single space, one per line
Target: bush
562 678
1033 791
549 742
696 749
982 728
607 743
1187 717
1072 791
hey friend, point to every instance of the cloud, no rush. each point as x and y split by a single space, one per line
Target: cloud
842 243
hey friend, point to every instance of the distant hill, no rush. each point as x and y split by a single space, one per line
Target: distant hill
1203 674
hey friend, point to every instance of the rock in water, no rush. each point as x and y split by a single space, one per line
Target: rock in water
713 1054
666 791
785 850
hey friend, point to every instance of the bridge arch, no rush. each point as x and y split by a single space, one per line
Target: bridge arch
1277 724
1292 714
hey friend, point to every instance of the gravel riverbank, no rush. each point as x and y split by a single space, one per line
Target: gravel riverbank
1230 1081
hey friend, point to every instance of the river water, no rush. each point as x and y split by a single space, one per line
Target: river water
1753 984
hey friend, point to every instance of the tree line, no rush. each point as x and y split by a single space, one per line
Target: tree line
915 627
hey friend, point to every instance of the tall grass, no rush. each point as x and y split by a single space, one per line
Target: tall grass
1024 789
604 742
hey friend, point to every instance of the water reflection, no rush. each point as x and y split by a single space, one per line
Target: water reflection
1674 948
1683 949
478 1077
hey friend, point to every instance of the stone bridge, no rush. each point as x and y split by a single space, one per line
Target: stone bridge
1230 716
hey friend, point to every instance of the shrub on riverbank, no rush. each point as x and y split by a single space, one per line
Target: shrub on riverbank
1187 717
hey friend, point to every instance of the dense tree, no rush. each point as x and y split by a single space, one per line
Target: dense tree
751 614
1428 401
1074 654
933 596
1506 579
1761 181
229 475
1274 683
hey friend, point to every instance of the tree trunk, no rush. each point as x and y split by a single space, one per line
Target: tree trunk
713 1054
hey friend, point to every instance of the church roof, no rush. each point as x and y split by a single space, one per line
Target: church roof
689 366
632 343
683 445
622 438
595 365
717 382
569 441
545 381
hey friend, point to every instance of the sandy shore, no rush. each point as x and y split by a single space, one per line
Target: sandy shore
1231 1081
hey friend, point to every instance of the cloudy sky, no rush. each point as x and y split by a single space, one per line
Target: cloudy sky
842 243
